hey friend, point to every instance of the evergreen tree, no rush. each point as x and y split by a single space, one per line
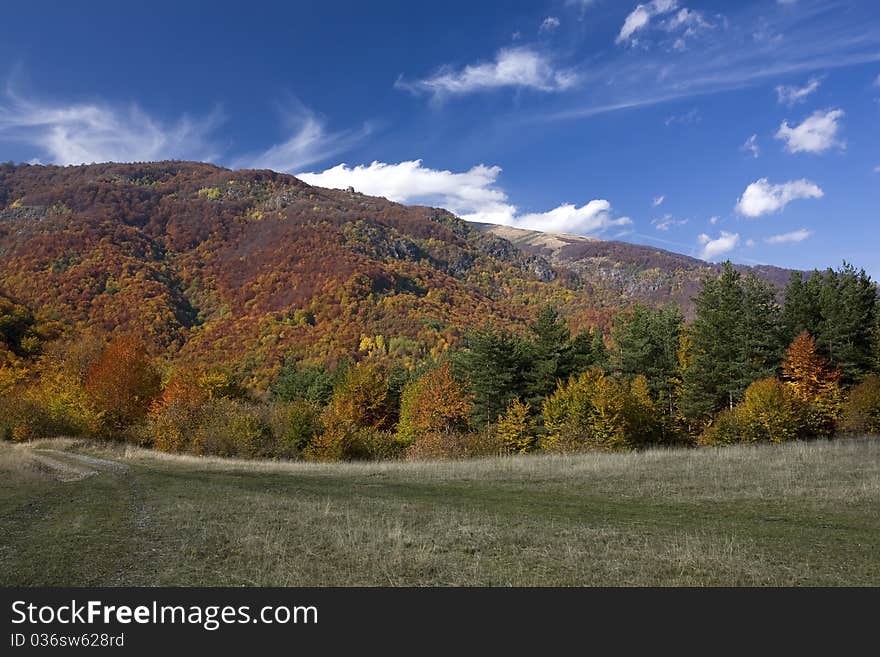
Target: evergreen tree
552 354
801 310
710 379
840 309
297 382
497 365
588 350
759 332
848 300
647 342
735 339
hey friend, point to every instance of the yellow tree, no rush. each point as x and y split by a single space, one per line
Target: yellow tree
515 428
433 403
361 407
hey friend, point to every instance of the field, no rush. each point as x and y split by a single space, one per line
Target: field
795 514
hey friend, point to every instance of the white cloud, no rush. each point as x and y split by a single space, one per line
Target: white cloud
473 195
549 24
308 143
877 169
682 23
667 221
640 17
688 118
712 248
750 243
593 218
816 134
791 95
82 133
751 145
513 67
788 238
658 200
877 81
762 198
714 220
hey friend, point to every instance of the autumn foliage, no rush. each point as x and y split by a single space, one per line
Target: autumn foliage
433 403
123 382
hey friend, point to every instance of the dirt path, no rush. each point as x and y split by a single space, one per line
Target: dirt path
84 462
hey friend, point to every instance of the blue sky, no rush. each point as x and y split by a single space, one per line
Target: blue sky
744 130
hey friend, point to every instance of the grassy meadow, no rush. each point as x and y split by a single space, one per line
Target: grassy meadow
792 514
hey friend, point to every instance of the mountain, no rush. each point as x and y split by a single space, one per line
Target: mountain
632 271
248 267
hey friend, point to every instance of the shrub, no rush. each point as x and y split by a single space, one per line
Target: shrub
186 419
770 412
443 446
726 428
595 411
301 423
584 413
861 411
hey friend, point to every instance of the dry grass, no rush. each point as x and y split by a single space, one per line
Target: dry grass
765 515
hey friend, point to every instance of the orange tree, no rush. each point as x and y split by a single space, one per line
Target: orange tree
813 382
433 403
123 382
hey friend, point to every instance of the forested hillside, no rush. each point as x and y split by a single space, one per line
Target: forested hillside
193 308
211 265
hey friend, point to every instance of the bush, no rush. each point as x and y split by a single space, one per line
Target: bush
294 427
47 408
189 422
770 412
443 446
861 410
595 411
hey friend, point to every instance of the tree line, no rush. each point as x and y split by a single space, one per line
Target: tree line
745 369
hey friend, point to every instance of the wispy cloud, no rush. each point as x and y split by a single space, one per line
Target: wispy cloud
712 248
308 142
687 118
751 146
473 194
658 200
78 133
639 19
761 197
549 24
816 37
512 67
678 23
816 134
790 238
667 221
792 95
